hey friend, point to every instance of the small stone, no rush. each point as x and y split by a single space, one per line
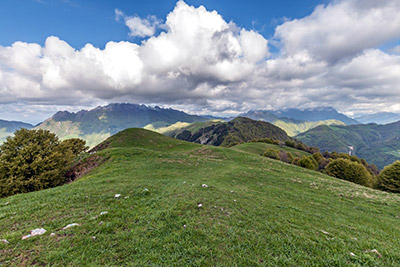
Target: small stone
126 197
4 241
352 254
52 234
379 255
5 204
200 205
103 212
325 232
40 231
26 237
117 195
204 185
184 226
93 237
100 223
70 225
234 200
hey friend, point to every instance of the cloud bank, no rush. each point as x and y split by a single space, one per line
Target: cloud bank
201 63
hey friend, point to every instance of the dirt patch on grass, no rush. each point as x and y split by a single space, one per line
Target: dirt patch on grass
208 153
85 166
180 161
100 147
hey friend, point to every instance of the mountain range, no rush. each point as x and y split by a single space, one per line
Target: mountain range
322 127
379 118
7 128
315 114
294 126
378 144
97 124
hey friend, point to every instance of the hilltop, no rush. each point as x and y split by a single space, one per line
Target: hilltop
254 211
229 133
378 144
97 124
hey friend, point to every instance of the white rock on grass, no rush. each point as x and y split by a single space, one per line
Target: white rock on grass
379 255
4 241
204 185
70 225
39 231
117 195
200 205
103 212
352 254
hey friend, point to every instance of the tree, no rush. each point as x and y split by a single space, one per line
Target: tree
33 160
351 171
389 178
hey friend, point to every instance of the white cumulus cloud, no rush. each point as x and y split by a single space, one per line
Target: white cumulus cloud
202 63
139 27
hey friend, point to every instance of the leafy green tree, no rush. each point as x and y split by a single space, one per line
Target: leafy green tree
272 153
351 171
308 162
33 160
389 178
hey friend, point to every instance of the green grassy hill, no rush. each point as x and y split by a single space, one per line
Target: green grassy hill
259 149
255 211
378 144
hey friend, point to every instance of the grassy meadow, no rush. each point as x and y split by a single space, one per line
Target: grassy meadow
254 212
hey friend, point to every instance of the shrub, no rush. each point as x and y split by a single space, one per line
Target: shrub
272 153
290 143
308 163
350 171
290 157
35 159
296 160
389 178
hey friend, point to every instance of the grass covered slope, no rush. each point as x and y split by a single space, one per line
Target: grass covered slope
259 148
255 211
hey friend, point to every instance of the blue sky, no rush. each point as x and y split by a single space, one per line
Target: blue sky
93 21
215 57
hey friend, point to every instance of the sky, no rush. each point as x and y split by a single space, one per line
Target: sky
215 57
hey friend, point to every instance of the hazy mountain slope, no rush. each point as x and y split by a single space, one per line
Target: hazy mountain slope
7 128
379 118
316 114
255 211
235 131
378 144
97 124
291 126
